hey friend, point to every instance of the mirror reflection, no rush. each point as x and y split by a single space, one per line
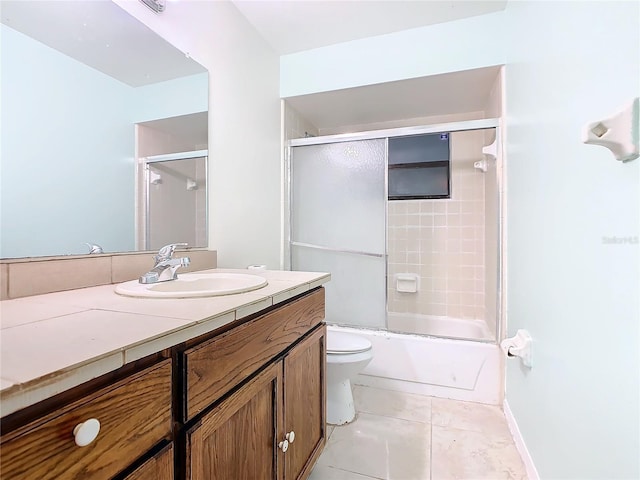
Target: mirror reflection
89 95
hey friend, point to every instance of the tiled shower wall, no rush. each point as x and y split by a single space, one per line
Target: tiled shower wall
443 241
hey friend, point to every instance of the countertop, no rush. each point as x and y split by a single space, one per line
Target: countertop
50 343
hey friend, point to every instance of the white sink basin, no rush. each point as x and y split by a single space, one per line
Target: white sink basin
189 285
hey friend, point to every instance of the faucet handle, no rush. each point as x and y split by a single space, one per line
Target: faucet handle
94 248
166 252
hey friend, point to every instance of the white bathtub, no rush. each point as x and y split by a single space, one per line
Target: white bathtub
457 369
438 326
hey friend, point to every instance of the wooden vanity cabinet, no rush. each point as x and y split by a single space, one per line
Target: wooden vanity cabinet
245 404
304 404
158 467
134 415
214 367
273 428
236 439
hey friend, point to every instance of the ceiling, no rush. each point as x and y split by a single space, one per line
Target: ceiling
101 35
291 26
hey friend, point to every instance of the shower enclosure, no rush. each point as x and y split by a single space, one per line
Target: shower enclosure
174 199
408 223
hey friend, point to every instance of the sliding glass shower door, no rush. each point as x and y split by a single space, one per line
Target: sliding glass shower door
175 203
338 210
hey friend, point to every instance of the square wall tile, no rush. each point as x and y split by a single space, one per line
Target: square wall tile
445 241
439 206
412 220
453 232
426 220
426 206
400 206
413 207
453 207
130 267
4 281
413 241
36 278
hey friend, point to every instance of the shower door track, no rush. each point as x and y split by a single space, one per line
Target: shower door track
398 132
337 250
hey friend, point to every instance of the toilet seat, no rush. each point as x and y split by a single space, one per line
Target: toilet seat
341 343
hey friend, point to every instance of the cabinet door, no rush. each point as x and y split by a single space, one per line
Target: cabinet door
304 404
160 467
236 440
216 366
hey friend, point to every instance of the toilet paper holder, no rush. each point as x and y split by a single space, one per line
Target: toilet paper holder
519 346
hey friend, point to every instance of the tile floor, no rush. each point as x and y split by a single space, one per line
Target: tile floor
400 436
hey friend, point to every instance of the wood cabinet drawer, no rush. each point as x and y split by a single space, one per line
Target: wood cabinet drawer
216 366
158 467
134 415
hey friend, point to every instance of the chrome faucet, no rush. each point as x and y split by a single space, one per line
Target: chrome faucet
94 248
165 267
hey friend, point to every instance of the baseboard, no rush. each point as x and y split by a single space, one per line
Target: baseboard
532 473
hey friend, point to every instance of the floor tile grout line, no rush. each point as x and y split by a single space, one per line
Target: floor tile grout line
355 473
427 422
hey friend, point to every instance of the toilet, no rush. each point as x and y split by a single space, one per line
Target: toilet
347 355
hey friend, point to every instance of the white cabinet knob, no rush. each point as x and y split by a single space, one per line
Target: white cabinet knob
284 445
86 432
291 436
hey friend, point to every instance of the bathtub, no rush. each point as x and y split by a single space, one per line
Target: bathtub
439 367
438 326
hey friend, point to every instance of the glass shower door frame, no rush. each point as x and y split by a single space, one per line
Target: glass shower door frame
145 164
484 124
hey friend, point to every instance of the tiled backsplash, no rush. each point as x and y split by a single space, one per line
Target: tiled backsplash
35 276
443 241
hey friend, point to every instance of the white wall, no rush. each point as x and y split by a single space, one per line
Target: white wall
67 154
68 148
569 63
244 124
164 99
447 47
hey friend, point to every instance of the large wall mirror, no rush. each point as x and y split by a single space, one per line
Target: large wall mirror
98 114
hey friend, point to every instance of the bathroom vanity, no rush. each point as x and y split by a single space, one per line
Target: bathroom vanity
235 391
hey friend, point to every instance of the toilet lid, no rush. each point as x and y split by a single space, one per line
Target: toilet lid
341 342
